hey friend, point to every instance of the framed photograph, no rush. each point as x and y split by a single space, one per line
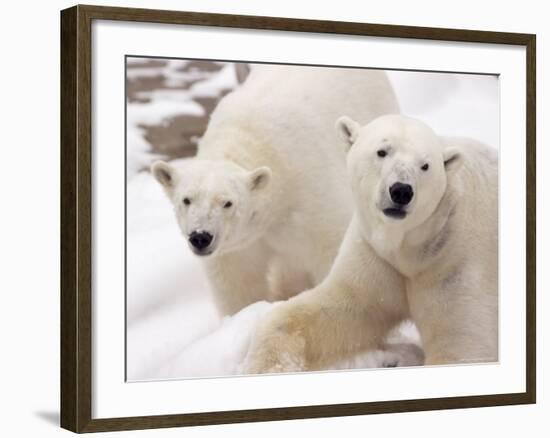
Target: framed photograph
268 218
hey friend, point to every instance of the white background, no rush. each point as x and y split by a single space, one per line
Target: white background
30 223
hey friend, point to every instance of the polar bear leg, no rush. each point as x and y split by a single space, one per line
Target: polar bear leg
239 278
285 281
458 322
352 310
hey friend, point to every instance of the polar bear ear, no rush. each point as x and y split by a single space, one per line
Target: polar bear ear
348 130
452 159
164 173
259 178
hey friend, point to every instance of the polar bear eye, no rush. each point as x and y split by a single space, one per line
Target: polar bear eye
228 204
186 201
381 153
425 167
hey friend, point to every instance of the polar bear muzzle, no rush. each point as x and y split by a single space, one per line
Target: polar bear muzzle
401 193
396 213
200 242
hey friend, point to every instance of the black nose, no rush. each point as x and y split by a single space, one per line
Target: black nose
200 240
401 193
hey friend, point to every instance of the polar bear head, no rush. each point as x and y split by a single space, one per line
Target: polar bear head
216 202
399 168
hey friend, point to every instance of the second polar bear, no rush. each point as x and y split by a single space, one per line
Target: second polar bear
266 200
422 245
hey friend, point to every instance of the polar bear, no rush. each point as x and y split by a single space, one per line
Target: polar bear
266 200
422 244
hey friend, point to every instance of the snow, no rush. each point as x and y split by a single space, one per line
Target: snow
226 79
453 104
158 111
173 330
220 352
161 104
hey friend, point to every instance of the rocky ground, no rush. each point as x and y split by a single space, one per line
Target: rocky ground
150 80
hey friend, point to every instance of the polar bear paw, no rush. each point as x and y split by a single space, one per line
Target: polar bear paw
276 353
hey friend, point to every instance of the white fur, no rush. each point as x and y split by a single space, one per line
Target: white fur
437 264
271 150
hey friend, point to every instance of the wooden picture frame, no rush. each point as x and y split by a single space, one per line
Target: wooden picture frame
76 217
